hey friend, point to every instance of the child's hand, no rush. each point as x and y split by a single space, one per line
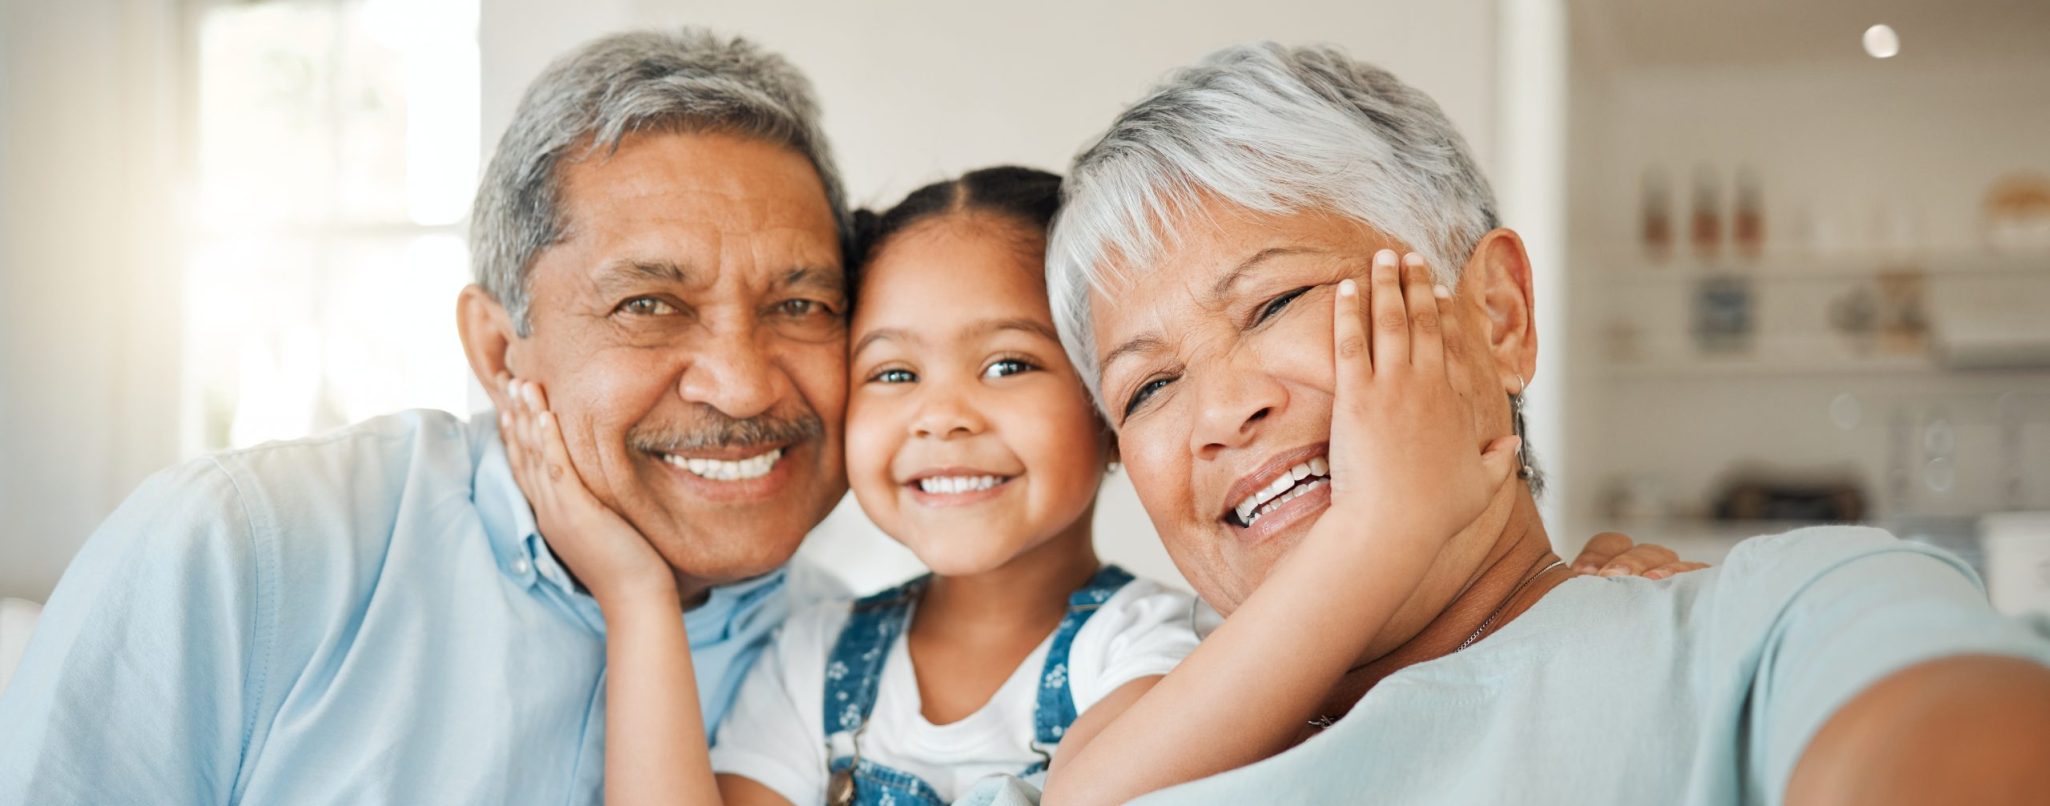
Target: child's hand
1406 459
607 554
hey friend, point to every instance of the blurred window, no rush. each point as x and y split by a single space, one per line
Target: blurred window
336 154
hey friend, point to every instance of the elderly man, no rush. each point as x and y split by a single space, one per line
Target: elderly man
370 616
1193 273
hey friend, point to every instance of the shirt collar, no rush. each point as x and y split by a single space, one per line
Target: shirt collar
523 555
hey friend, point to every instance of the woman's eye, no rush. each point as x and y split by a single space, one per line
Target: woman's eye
1006 367
646 306
1143 393
1275 305
893 376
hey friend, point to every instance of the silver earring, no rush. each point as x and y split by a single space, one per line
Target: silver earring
1110 468
1523 469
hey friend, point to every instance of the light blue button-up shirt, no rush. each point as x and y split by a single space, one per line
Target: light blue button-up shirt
368 616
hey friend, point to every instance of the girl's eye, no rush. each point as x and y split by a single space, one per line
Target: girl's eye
1275 305
1144 392
646 306
893 376
1005 367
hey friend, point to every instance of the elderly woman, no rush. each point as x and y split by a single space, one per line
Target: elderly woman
1196 271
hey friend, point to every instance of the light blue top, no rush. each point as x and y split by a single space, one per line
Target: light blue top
364 617
1699 689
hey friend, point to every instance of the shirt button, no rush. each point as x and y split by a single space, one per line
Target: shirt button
521 566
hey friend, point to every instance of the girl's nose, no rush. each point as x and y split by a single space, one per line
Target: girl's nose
946 416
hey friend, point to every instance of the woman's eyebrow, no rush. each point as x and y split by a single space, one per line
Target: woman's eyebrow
1245 267
1144 343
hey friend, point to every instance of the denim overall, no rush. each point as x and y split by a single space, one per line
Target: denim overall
855 668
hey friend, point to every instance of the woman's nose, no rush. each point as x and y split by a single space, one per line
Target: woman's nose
1231 403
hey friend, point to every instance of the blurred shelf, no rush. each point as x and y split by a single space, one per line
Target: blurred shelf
1709 367
1635 267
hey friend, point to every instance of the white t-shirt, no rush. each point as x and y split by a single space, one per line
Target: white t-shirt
775 732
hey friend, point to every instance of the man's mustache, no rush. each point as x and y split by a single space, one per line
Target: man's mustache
715 429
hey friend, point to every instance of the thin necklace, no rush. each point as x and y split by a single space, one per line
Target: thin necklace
1490 620
1326 720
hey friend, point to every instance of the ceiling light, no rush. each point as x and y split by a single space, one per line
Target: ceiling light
1881 42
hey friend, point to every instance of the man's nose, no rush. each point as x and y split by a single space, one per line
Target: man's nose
1231 403
736 373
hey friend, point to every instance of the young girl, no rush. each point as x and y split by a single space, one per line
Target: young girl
971 440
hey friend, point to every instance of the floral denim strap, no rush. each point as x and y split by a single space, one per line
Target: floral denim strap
1056 710
854 673
855 668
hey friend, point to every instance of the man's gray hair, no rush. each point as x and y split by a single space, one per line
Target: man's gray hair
1272 129
589 100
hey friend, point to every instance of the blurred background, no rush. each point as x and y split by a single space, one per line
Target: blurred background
1793 258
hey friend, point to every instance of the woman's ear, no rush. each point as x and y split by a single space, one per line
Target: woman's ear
1497 278
489 340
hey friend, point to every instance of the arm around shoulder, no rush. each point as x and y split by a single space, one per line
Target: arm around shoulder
142 678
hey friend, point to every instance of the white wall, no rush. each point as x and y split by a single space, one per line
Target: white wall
916 90
88 275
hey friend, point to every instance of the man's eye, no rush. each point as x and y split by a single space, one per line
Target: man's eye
893 376
1275 305
1005 367
799 308
1144 393
646 306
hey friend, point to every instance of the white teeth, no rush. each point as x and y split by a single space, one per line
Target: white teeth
954 485
753 467
1287 488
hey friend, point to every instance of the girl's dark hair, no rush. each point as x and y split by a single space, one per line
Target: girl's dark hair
1026 195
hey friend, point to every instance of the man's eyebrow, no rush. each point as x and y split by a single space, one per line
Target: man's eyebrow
873 336
1246 266
825 277
631 272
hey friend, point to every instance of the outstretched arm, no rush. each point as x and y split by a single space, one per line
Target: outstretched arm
1967 729
656 751
1405 469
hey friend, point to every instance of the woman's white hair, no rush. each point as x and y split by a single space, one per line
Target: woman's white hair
1272 129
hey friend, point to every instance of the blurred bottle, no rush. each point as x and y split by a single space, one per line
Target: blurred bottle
1707 226
1656 214
1748 228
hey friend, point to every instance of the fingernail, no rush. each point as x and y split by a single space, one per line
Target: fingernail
1441 292
1413 259
1347 288
1614 572
1385 257
1586 568
533 397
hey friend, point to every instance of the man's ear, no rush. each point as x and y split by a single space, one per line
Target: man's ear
489 341
1497 278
